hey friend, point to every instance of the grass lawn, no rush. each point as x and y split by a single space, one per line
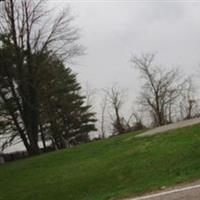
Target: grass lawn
111 169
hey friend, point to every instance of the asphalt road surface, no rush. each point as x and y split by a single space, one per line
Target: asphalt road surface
182 192
163 129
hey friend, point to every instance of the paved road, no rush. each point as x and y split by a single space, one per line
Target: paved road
169 127
182 192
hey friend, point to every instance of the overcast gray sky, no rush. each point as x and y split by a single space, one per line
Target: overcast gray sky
113 30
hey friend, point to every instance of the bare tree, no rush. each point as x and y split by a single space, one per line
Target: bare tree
115 97
30 32
161 88
104 106
90 94
188 103
135 121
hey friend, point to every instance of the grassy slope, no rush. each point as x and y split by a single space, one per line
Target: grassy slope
108 169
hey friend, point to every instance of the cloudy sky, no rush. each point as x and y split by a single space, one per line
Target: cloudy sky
114 30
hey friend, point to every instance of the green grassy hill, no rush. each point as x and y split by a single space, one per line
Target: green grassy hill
110 169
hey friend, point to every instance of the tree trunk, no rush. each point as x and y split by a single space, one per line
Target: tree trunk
43 137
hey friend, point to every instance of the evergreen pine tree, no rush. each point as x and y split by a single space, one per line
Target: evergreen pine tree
64 115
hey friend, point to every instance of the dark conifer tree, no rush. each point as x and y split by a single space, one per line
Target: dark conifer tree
64 115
